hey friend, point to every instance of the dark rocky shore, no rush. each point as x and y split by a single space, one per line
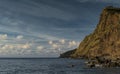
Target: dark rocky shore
102 62
102 47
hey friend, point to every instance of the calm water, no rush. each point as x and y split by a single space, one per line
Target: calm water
50 66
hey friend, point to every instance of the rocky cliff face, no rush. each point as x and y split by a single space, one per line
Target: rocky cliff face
105 40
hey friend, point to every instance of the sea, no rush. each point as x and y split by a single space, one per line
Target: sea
50 66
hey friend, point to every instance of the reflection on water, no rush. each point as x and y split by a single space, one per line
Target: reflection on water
50 66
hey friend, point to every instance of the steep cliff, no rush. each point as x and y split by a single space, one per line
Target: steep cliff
105 40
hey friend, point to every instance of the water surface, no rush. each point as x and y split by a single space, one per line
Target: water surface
50 66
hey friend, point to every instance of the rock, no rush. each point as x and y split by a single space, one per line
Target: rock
105 63
71 65
67 54
103 44
105 40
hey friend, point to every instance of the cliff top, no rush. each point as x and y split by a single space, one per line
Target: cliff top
111 8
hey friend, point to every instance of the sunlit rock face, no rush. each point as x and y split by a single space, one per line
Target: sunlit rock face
105 39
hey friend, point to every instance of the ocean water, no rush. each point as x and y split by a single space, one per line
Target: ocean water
50 66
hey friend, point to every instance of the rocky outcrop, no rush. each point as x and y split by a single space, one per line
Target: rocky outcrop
67 54
105 40
102 62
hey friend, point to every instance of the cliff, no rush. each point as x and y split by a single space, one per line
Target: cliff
67 54
104 41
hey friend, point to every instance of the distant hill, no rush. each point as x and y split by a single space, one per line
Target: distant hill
104 41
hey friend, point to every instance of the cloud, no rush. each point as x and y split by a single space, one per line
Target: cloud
3 36
73 43
61 46
19 37
50 42
40 48
6 46
24 46
31 23
37 9
14 48
62 41
82 1
105 1
55 46
108 1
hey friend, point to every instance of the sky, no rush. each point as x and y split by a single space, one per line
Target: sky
47 28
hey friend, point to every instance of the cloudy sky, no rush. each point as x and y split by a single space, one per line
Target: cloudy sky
46 28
